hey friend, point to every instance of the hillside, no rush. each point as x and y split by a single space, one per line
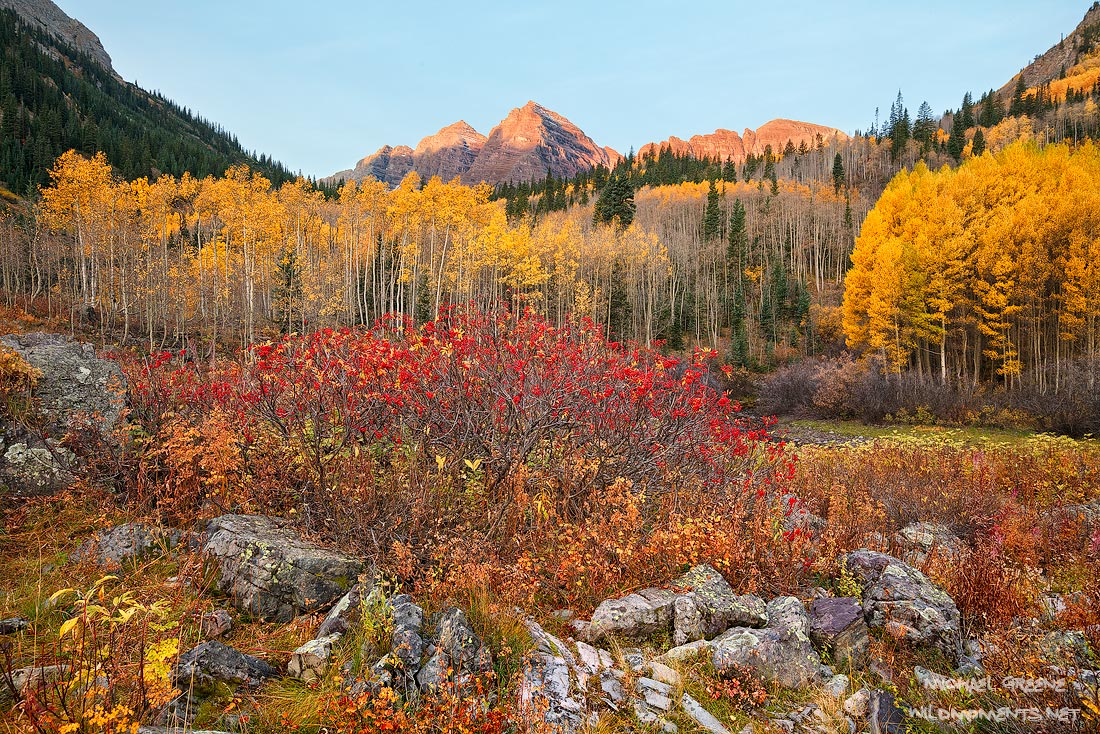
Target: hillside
1069 61
55 96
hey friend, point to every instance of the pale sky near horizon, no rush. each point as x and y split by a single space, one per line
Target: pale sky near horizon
320 86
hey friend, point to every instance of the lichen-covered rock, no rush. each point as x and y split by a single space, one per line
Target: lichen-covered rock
346 612
310 661
74 380
899 596
122 544
780 652
272 574
635 616
837 626
212 662
546 693
37 469
919 540
711 607
698 605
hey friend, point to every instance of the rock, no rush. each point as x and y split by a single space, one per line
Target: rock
344 613
463 647
35 677
681 653
545 693
701 716
213 662
635 616
611 683
919 540
563 615
122 544
310 661
655 694
837 626
798 519
837 686
661 672
34 470
74 382
899 595
884 715
858 705
969 667
781 652
271 573
215 624
634 659
1064 646
710 607
13 625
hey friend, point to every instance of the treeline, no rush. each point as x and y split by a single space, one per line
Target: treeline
233 259
54 98
985 273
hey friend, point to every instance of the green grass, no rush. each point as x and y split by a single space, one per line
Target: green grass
970 435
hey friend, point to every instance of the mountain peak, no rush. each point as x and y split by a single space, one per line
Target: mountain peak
532 140
46 15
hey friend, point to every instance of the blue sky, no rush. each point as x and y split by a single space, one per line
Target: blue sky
318 85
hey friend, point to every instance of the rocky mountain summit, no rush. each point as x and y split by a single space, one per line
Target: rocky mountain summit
49 17
727 144
533 140
527 143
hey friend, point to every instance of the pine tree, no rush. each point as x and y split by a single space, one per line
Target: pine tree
712 215
838 173
979 143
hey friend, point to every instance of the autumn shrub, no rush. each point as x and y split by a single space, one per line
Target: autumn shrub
17 383
495 436
110 665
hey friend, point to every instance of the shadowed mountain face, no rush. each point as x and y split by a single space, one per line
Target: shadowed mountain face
524 145
49 17
726 144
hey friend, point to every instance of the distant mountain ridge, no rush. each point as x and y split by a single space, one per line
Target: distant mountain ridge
727 145
532 140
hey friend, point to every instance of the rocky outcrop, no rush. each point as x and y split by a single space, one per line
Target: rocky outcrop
75 390
698 605
905 602
47 16
781 652
272 574
726 144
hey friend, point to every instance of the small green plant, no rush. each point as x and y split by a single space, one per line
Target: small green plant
847 584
